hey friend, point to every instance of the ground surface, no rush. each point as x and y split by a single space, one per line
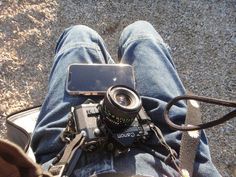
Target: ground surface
202 36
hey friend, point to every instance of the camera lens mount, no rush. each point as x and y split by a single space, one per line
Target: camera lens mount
120 106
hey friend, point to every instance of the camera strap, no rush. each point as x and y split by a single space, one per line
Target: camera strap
64 164
193 125
194 99
190 139
171 159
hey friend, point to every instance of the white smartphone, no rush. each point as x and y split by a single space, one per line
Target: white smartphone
95 79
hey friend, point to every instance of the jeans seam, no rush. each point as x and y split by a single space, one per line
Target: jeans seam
98 49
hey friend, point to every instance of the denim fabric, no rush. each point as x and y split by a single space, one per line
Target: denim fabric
157 81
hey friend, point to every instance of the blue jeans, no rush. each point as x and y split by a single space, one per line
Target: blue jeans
157 82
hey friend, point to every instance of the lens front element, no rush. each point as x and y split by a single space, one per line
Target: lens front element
123 99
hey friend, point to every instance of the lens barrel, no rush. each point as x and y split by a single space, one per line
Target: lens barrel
120 106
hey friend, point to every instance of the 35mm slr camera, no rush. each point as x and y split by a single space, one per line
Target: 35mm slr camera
119 119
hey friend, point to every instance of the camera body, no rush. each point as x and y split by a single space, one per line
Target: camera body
117 122
89 121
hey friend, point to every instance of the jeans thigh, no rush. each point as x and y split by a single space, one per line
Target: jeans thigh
155 72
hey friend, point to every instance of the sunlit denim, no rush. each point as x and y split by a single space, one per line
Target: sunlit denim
157 82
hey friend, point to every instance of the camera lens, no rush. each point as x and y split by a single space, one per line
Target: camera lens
120 106
123 99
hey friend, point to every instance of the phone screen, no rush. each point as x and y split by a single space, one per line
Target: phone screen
93 79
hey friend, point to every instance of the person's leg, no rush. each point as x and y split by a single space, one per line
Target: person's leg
78 44
141 46
156 75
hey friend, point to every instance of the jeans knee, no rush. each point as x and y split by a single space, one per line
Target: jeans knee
139 30
139 27
77 34
81 30
141 23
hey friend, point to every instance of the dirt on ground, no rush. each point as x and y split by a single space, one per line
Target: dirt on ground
201 34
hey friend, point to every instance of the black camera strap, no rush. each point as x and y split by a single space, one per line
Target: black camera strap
193 125
63 165
200 126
